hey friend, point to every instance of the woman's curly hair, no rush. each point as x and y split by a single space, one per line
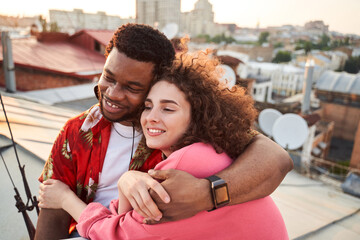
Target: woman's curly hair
219 116
143 43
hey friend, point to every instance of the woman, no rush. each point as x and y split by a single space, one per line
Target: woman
186 115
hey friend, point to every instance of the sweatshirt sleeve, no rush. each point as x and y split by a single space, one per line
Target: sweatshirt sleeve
98 222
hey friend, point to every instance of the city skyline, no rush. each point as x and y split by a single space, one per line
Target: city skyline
339 17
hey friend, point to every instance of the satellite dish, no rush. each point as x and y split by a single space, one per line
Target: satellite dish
170 30
290 131
229 76
267 118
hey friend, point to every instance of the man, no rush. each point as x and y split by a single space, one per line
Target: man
95 148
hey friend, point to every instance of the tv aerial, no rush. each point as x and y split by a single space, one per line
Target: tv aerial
267 118
229 76
290 131
170 30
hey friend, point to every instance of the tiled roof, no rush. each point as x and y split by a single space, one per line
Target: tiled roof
60 57
102 36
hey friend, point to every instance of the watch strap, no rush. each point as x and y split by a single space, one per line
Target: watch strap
219 192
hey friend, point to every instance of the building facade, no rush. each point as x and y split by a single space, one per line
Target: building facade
72 21
286 80
158 13
200 21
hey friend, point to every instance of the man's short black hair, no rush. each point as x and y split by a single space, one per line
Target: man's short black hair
143 43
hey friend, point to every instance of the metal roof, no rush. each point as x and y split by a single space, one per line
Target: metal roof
339 82
59 57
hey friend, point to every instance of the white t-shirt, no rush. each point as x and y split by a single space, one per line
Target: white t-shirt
117 160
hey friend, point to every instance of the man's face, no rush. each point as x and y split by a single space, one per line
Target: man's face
123 86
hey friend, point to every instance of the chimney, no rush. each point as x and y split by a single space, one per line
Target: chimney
8 63
308 80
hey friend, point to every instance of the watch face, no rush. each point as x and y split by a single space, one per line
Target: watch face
221 193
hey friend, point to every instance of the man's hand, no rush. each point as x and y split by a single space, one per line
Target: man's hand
189 195
135 186
53 193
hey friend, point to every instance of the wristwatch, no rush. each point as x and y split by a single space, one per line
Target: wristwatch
219 192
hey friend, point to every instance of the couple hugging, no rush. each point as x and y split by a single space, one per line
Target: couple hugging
168 153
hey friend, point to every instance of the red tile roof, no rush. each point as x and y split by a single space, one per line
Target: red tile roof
60 57
102 36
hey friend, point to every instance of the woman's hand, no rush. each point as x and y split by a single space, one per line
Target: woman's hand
53 193
135 186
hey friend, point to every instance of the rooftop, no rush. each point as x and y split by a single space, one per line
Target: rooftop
59 57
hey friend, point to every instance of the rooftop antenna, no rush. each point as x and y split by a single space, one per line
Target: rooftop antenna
229 76
290 131
31 200
170 30
267 118
308 80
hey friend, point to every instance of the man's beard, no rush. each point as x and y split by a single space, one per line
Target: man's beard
129 117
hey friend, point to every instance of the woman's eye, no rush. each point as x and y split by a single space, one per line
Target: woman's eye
169 110
147 108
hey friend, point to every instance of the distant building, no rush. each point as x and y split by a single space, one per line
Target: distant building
256 53
18 22
262 88
72 21
286 80
330 60
339 94
93 40
158 13
316 27
200 21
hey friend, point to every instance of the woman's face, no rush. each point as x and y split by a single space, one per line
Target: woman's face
166 116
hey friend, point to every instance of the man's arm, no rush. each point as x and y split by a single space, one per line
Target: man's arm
254 174
258 171
52 217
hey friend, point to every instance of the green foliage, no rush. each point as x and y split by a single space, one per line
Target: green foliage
282 56
307 47
340 43
278 45
43 23
352 65
222 38
54 27
263 37
204 36
324 44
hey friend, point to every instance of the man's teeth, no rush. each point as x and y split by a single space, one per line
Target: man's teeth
155 130
111 105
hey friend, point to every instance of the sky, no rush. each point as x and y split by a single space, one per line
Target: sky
341 16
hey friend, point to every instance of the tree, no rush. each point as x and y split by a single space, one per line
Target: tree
324 42
352 65
54 27
43 23
278 45
307 47
222 38
263 37
282 56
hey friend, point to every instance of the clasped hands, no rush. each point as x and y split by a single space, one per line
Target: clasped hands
159 195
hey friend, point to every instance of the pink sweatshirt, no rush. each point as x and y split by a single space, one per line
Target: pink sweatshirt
258 219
